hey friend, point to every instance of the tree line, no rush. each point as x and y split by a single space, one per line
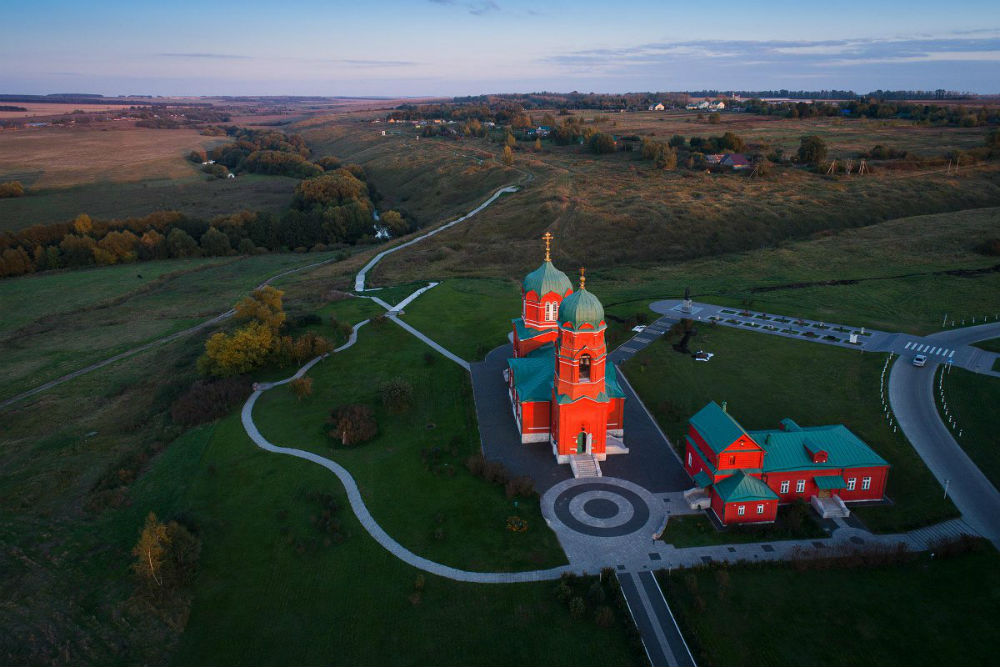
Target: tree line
328 211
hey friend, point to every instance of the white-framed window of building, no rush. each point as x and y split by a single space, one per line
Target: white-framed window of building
689 460
760 508
741 510
585 368
866 483
784 486
550 311
851 483
800 486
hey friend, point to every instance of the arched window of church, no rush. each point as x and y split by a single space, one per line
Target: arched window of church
550 311
585 368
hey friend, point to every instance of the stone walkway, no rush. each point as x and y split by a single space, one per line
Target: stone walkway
359 280
361 510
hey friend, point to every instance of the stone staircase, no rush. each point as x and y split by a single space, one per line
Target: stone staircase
584 465
830 508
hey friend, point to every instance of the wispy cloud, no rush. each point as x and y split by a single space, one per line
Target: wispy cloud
377 63
979 46
215 56
475 7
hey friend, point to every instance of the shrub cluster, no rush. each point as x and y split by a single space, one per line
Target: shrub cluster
207 400
495 472
352 424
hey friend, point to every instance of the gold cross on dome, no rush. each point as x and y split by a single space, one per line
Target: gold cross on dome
548 239
583 278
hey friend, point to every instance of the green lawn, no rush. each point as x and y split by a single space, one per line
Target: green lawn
972 401
199 197
468 316
766 378
413 495
698 530
63 321
991 345
929 612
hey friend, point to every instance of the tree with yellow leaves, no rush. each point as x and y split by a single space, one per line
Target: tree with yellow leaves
149 550
507 156
265 306
247 348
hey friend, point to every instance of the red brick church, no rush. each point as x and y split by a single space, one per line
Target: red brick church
562 389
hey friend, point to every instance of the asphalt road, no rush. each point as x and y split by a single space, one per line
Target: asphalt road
911 394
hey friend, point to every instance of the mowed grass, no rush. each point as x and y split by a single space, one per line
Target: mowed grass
698 530
765 379
259 600
972 401
412 473
928 612
991 345
61 322
58 157
469 317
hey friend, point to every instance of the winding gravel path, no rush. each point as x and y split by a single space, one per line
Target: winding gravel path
358 503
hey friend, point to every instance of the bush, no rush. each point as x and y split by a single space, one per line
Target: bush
577 607
604 617
396 394
301 387
207 400
353 424
522 486
11 189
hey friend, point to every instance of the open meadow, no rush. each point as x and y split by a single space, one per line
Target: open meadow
86 461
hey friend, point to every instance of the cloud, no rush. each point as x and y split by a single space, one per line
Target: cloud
474 7
377 63
216 56
978 46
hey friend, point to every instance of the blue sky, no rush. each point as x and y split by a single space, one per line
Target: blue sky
459 47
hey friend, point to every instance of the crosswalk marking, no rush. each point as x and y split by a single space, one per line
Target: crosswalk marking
908 345
952 354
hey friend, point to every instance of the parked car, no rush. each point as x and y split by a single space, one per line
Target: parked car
639 328
919 359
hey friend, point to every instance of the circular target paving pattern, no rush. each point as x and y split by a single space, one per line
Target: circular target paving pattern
600 507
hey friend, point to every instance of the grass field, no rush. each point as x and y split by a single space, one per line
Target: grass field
470 317
992 345
698 530
59 157
929 612
765 379
412 496
972 401
62 321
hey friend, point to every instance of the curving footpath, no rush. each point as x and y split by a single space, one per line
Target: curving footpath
358 503
359 281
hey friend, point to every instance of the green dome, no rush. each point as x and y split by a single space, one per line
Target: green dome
581 308
545 279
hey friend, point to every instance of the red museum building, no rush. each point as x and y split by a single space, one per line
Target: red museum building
562 389
744 475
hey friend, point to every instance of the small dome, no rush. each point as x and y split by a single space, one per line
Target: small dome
547 278
581 308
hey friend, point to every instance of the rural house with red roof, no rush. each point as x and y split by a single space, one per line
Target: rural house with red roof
561 387
744 475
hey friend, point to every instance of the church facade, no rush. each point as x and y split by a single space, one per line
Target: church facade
562 389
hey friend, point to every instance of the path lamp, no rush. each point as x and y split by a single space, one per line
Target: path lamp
947 482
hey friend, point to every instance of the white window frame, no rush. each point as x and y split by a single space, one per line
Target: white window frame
866 483
741 510
800 486
851 483
760 508
551 311
784 486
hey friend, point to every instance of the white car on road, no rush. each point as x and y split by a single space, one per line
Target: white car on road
919 359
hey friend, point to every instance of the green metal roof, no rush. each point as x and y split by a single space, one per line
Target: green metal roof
526 332
830 482
786 450
533 377
788 424
547 278
611 381
581 308
717 427
702 479
742 487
